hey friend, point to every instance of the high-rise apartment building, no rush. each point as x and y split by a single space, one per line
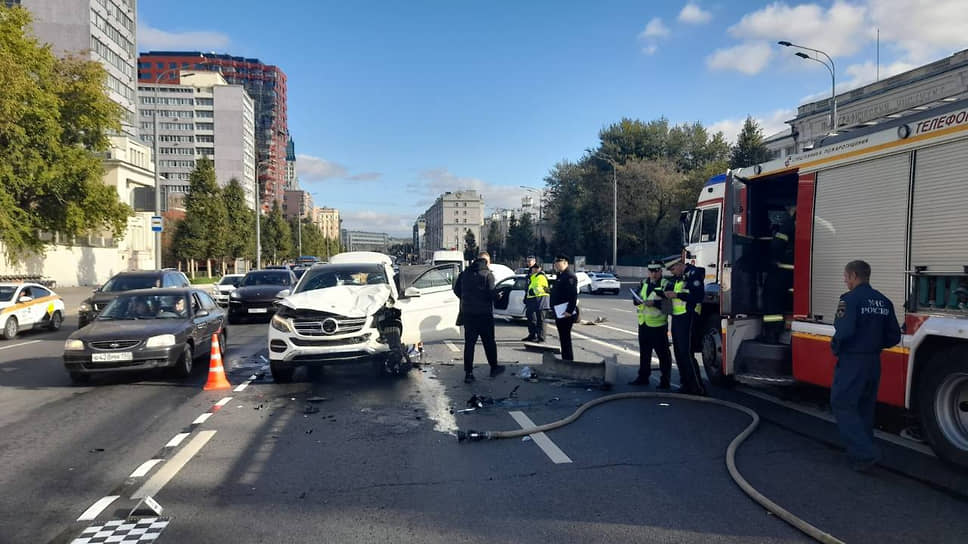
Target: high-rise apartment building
203 116
297 203
101 30
450 217
266 84
292 182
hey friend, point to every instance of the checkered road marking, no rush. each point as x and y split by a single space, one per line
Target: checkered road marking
135 530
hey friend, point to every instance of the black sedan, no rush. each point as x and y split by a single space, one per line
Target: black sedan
145 329
258 292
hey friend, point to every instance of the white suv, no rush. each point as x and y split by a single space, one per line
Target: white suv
350 310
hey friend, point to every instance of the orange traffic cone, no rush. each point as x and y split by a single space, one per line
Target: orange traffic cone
216 372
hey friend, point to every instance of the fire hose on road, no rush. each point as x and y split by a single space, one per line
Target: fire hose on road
784 514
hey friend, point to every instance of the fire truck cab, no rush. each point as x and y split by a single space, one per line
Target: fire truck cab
892 194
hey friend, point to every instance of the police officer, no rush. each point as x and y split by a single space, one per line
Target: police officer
653 327
686 294
865 324
535 301
565 291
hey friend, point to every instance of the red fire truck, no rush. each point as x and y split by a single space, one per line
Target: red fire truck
892 194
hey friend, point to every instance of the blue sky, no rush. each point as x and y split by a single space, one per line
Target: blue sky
392 103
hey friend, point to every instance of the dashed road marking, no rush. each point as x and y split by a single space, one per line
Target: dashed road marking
451 345
201 419
20 344
223 402
178 438
241 387
145 468
98 507
172 466
541 439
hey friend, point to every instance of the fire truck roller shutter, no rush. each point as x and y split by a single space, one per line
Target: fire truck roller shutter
860 213
940 178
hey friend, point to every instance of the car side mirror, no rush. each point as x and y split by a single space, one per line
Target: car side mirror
411 292
25 299
97 287
284 293
202 313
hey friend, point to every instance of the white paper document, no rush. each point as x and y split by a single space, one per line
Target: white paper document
560 309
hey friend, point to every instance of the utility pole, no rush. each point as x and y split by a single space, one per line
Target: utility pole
258 226
614 218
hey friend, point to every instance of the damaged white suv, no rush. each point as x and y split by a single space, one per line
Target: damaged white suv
350 311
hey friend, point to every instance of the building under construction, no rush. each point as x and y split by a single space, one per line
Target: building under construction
266 85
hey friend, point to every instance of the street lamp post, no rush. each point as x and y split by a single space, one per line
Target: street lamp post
833 77
614 210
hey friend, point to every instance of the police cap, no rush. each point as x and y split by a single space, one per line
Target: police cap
654 265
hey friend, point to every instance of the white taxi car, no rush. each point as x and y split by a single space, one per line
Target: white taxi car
26 306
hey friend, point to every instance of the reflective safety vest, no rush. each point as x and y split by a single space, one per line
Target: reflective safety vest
538 286
679 305
650 315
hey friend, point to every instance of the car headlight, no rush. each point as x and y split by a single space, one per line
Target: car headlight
234 295
84 307
281 324
73 345
160 341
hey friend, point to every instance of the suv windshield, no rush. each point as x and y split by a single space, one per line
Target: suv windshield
130 283
231 280
332 275
146 307
265 278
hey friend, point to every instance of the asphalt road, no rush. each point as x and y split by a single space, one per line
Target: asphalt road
376 460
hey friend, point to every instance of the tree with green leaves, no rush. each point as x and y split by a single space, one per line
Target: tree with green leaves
313 242
54 120
240 232
520 240
470 246
750 148
206 224
495 244
276 235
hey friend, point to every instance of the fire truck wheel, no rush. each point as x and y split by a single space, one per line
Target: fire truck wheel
943 404
712 357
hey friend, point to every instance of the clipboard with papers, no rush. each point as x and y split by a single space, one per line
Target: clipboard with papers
560 310
636 298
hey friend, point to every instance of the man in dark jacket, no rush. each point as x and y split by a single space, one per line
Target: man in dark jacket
864 325
565 291
475 289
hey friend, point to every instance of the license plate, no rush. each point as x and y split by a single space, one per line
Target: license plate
111 357
258 310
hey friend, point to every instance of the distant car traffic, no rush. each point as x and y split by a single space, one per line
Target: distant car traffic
127 281
145 329
602 282
25 306
258 292
224 287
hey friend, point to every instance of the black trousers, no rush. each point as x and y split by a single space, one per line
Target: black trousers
532 307
690 378
479 326
564 337
654 339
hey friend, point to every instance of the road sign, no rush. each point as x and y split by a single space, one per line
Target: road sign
156 225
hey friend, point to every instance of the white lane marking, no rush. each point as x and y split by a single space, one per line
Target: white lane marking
604 326
241 387
223 402
174 442
541 439
608 310
606 344
145 468
201 419
20 344
175 464
95 510
451 345
893 439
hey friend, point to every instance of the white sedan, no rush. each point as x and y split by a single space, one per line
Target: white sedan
223 289
602 282
26 306
510 293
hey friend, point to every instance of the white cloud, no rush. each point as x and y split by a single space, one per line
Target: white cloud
748 58
365 176
650 49
654 29
437 181
922 30
858 75
155 38
771 123
838 30
310 168
693 14
394 224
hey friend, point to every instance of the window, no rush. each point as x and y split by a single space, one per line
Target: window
436 277
204 114
159 65
710 225
204 126
172 65
39 292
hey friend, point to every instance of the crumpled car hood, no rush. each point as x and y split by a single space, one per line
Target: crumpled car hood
346 300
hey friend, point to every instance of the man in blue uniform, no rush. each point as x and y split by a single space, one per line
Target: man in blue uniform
865 324
687 293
